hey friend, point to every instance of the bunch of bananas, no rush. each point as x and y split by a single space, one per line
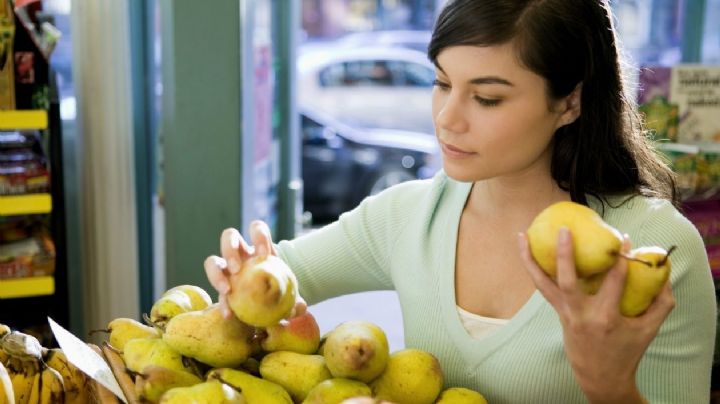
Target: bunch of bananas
30 373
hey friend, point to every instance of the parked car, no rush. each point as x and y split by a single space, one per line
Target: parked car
342 164
380 87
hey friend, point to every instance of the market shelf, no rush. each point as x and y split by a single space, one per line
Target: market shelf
29 204
23 119
27 287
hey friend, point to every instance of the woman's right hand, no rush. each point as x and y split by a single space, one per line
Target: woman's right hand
235 251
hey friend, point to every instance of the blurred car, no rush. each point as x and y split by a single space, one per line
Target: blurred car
412 39
342 164
380 87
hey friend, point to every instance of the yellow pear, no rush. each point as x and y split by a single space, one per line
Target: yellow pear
296 373
596 244
263 292
299 334
460 395
154 381
255 389
142 352
335 391
412 376
647 272
199 298
210 392
168 306
356 350
123 330
208 337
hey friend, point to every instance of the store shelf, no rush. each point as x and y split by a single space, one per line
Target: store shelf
31 204
23 119
26 287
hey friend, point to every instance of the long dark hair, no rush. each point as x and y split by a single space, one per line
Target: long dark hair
570 42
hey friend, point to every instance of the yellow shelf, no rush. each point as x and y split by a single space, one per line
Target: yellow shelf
30 204
23 119
26 287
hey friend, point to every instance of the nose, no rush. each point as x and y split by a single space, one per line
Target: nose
450 114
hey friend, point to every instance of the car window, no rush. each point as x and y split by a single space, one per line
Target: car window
376 73
411 74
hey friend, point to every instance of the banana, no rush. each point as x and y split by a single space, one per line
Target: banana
4 329
76 382
7 396
22 384
22 346
34 390
51 386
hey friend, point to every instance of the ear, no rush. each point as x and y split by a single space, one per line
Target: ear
571 106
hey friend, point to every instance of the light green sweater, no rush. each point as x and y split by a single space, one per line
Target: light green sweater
405 238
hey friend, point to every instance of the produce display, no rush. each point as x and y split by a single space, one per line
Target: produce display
187 352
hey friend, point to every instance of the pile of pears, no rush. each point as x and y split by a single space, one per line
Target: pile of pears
188 352
596 248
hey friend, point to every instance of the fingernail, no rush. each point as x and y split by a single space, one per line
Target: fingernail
233 266
564 234
235 241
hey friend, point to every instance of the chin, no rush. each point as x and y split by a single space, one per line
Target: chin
461 175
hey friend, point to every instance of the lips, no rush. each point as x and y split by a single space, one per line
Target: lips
454 152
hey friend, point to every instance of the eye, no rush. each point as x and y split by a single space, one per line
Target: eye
487 102
440 85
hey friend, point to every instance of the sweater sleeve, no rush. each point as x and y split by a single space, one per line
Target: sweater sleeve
352 254
677 366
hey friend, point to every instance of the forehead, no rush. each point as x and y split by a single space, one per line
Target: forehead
471 61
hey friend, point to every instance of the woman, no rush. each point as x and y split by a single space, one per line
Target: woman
529 109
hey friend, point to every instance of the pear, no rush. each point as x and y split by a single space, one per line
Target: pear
154 381
168 306
142 352
460 395
296 373
263 292
299 334
596 243
356 350
591 284
210 392
411 376
647 272
123 330
255 389
334 391
365 400
208 337
199 298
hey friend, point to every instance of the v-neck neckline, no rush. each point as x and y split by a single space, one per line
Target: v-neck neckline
475 351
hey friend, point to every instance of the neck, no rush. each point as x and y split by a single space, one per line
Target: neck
520 197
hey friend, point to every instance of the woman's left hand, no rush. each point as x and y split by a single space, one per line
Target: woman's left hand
603 347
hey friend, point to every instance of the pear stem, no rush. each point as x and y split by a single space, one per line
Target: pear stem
664 260
627 257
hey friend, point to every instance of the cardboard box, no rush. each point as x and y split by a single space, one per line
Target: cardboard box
7 71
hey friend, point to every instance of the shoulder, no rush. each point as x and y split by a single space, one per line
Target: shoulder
656 222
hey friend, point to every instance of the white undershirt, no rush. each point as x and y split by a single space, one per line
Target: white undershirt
479 326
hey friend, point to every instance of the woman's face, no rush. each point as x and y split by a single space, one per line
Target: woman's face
492 115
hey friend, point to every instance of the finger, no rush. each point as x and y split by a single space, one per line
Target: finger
544 284
234 249
566 275
216 271
300 307
614 284
661 307
225 307
261 238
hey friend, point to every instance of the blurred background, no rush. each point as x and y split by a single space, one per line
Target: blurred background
174 119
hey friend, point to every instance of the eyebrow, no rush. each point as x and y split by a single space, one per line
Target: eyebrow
482 79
